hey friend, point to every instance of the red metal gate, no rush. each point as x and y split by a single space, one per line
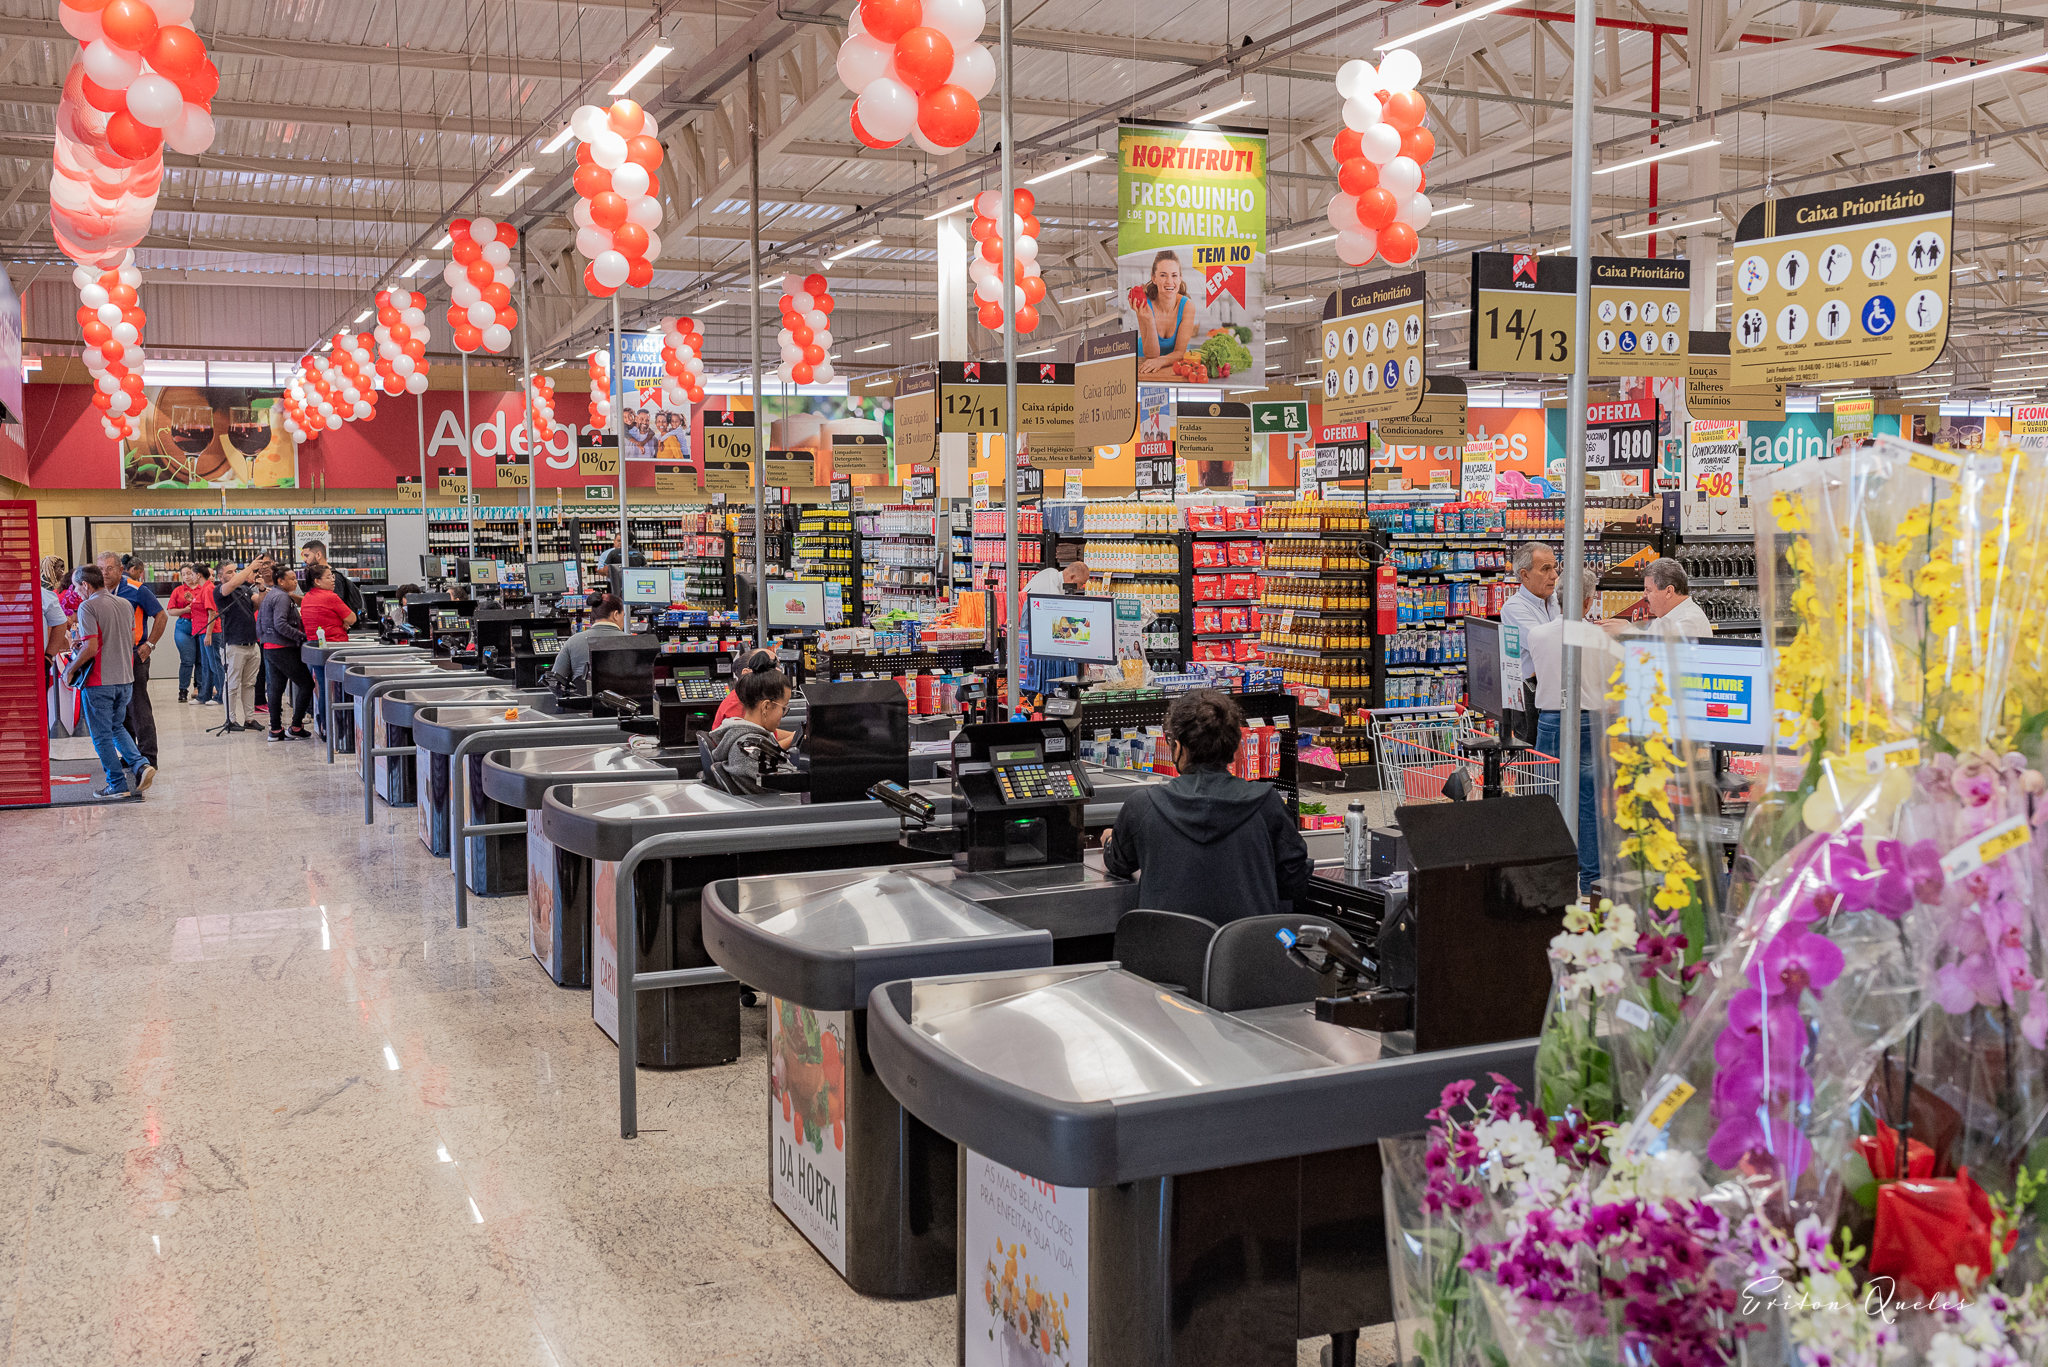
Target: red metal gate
24 734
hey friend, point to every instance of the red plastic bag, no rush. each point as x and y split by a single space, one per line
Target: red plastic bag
1927 1228
1880 1151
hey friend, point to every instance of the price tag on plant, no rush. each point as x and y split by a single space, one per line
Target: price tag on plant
1971 855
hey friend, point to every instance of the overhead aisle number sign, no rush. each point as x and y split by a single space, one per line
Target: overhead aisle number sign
1642 316
1372 349
1847 284
917 418
728 452
1524 313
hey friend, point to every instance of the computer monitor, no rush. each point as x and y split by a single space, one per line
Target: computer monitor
1483 691
483 571
624 665
437 566
547 576
1722 688
1066 626
793 604
644 586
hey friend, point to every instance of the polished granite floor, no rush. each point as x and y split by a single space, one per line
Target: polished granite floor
261 1103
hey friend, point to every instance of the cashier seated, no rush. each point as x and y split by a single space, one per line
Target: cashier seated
607 618
749 745
1208 843
760 662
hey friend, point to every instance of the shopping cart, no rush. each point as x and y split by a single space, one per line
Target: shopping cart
1418 753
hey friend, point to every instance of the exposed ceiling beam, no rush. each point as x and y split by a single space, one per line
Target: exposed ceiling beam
337 118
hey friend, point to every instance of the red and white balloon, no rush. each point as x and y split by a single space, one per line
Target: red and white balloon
616 215
917 70
682 363
110 317
401 339
141 80
985 267
540 401
480 281
600 391
1379 208
806 336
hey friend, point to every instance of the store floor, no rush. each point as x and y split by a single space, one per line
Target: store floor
261 1103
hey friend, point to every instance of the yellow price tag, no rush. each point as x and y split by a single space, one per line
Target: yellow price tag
1971 855
1903 753
1676 1096
2004 844
1932 463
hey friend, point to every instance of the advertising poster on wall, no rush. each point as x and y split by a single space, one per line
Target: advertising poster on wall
1191 251
1802 436
1513 440
188 438
807 1122
1025 1248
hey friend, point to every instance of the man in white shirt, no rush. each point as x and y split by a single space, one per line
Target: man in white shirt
1531 605
1543 656
1668 592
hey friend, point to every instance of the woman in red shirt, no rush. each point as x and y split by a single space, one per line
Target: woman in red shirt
322 608
185 603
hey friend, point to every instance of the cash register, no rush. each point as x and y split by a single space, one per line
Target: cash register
1021 790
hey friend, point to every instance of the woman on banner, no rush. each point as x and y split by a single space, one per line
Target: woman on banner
1166 316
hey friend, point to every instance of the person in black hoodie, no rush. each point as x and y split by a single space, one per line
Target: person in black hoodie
1208 843
281 633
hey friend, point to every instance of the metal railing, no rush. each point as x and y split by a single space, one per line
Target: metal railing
568 732
366 747
345 657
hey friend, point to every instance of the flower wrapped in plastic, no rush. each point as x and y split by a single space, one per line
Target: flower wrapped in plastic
1437 1313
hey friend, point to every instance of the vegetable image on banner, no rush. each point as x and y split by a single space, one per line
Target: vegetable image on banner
1025 1292
807 1122
1191 252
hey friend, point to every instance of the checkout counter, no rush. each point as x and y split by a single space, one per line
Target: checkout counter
339 723
363 688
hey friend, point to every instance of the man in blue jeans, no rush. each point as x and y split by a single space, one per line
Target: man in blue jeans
106 642
1543 656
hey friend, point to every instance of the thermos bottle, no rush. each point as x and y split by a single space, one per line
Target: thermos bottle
1357 853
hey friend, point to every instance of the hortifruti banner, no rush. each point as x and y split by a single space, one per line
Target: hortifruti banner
1191 252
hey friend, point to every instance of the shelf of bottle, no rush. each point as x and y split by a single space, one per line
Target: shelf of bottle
1312 536
1425 671
1462 538
1312 653
1353 613
1226 636
1272 573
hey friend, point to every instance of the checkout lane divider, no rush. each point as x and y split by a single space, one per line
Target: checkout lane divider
345 657
682 844
570 730
366 705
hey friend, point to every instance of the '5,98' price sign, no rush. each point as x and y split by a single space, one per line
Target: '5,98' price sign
1524 313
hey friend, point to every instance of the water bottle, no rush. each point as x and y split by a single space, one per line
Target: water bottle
322 634
1357 852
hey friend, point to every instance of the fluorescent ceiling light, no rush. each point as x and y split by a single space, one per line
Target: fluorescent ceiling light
1297 246
414 269
1275 343
556 143
1435 214
1291 303
1659 156
556 366
1079 297
1272 370
1669 227
1977 73
442 245
364 314
1973 166
920 336
1553 251
1454 313
1211 115
947 213
856 247
1724 261
876 347
1059 171
521 174
1042 351
641 68
1464 16
714 304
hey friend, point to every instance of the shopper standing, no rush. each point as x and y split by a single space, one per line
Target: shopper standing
1667 592
323 610
106 640
150 622
184 602
235 601
281 632
205 619
1543 652
312 556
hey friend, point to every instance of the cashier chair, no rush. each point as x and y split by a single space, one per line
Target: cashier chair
1248 967
1168 948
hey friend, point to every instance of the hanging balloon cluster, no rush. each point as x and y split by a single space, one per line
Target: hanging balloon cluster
917 70
326 393
1379 208
806 334
540 400
141 79
110 315
600 391
616 217
401 338
682 363
480 283
986 268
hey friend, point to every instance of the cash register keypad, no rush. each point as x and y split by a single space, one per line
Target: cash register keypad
702 690
1026 782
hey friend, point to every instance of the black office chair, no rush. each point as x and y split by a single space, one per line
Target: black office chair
1248 967
1170 948
709 771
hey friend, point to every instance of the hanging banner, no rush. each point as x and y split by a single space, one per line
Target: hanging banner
792 470
971 396
1372 349
1524 312
1212 431
511 471
1843 285
1855 417
917 418
1105 391
728 452
1045 414
1438 421
675 481
451 481
598 456
1642 316
1710 394
859 453
1191 251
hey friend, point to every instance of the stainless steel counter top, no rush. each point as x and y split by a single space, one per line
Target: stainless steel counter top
520 778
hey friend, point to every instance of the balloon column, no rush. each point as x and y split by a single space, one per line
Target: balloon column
326 393
682 363
480 281
806 335
985 268
110 315
141 80
540 400
401 338
600 391
918 70
615 215
1379 207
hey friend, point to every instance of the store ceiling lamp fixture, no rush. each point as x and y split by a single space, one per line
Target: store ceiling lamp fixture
853 250
920 336
1453 313
1975 73
1309 242
714 304
365 315
1059 171
442 245
1657 156
876 347
641 68
962 207
521 174
414 269
1973 166
1290 303
1669 227
559 140
1462 17
1079 297
1453 209
1211 115
1042 351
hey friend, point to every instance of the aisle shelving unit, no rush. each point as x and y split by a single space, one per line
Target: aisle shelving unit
900 560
